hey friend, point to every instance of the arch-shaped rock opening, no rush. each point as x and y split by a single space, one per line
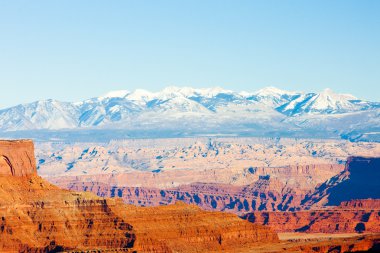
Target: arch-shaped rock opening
6 167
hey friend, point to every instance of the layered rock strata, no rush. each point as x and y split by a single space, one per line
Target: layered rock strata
39 217
17 158
187 228
282 189
262 195
357 216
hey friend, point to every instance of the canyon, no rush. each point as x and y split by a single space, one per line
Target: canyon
37 216
261 203
219 159
236 175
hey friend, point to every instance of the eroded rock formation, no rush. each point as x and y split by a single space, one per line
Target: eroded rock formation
288 190
17 158
281 189
187 228
350 217
39 217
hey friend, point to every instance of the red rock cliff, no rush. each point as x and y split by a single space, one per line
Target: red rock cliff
350 217
17 158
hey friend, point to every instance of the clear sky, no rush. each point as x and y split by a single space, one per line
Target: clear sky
72 50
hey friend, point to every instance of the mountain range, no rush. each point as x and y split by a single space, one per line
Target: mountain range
185 111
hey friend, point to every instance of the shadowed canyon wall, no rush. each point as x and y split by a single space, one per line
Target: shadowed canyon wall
359 180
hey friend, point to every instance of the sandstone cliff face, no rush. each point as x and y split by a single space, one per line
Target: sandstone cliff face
187 228
360 204
17 158
39 217
366 243
350 217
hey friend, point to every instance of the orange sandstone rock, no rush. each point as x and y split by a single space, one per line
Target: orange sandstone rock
17 158
350 217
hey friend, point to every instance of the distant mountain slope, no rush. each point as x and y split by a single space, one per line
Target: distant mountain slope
326 102
269 111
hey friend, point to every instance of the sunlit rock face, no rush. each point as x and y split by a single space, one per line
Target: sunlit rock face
39 217
17 158
354 216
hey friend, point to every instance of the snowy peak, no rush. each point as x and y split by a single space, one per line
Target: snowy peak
274 92
187 92
178 106
167 93
140 96
329 100
273 96
331 95
325 102
212 92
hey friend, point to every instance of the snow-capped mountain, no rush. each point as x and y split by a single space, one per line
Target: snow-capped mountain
326 102
274 97
189 110
44 114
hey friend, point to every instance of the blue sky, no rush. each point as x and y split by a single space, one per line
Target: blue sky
72 50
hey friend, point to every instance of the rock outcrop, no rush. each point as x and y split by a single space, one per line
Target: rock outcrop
360 204
187 228
17 158
365 243
356 216
39 217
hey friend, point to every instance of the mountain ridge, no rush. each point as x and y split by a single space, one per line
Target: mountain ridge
212 110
